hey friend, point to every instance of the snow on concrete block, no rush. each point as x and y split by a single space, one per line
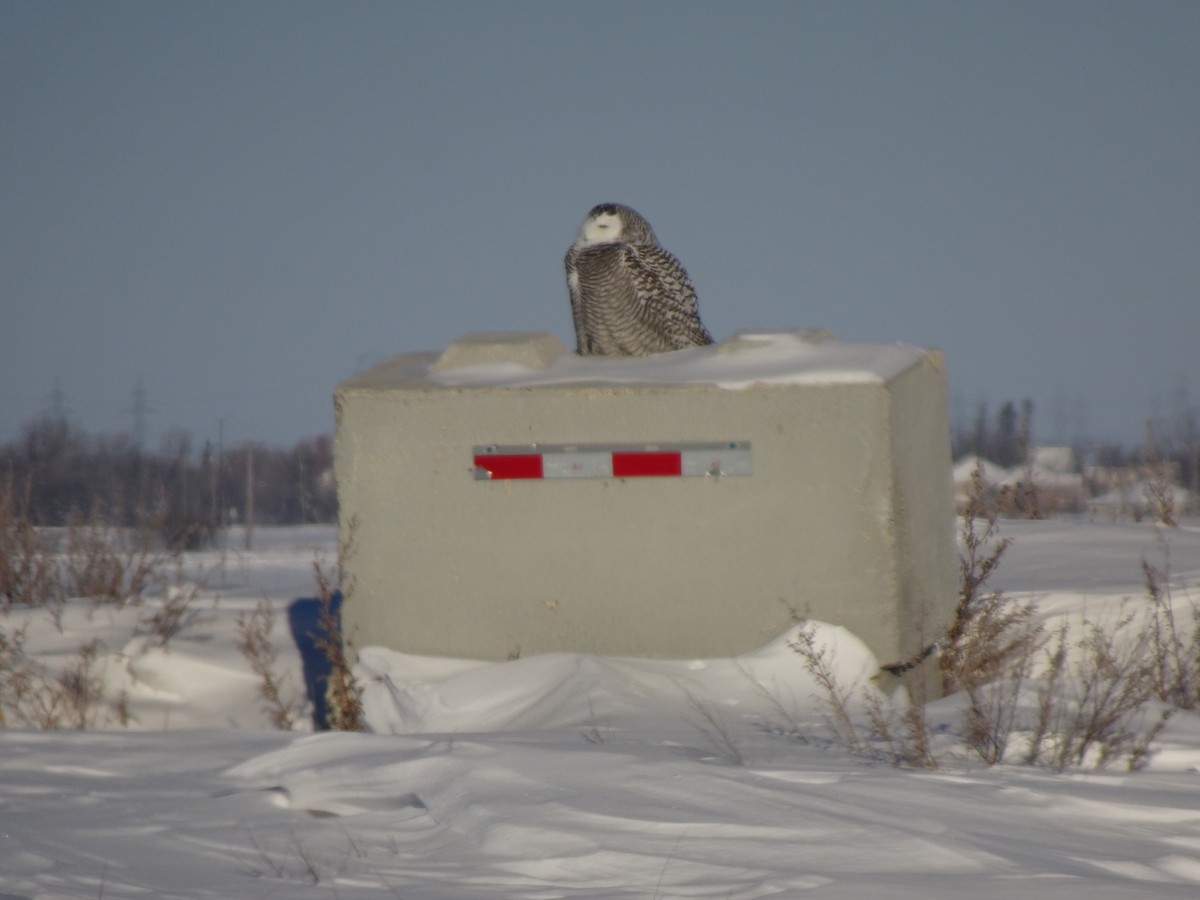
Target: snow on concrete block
509 496
536 350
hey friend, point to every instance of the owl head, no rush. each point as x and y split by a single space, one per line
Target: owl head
614 222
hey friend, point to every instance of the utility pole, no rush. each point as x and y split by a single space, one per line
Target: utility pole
58 401
140 411
249 495
220 480
303 488
210 469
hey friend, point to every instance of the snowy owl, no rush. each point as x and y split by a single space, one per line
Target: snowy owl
629 296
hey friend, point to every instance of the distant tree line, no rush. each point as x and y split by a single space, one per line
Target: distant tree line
1004 440
193 489
59 471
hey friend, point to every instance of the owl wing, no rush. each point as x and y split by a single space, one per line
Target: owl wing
570 263
667 295
604 300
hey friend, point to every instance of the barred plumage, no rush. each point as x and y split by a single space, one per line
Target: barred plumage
629 296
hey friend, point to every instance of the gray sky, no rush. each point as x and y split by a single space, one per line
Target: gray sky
242 204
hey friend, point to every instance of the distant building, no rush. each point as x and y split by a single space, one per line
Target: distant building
1056 460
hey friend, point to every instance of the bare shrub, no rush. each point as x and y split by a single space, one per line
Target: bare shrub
991 715
109 564
30 577
1158 489
187 532
987 634
1091 697
32 696
989 648
343 693
99 561
905 733
18 676
80 689
92 566
1090 702
1175 647
173 615
28 572
254 640
1093 711
1021 500
899 735
836 698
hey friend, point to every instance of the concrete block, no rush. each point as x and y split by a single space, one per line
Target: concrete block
677 506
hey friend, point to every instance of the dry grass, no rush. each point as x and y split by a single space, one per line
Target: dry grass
714 727
783 714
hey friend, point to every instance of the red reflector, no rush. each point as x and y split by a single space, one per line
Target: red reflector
630 464
526 465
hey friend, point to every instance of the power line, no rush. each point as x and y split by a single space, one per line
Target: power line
58 401
141 410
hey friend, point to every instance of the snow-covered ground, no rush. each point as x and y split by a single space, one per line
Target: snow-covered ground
565 775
